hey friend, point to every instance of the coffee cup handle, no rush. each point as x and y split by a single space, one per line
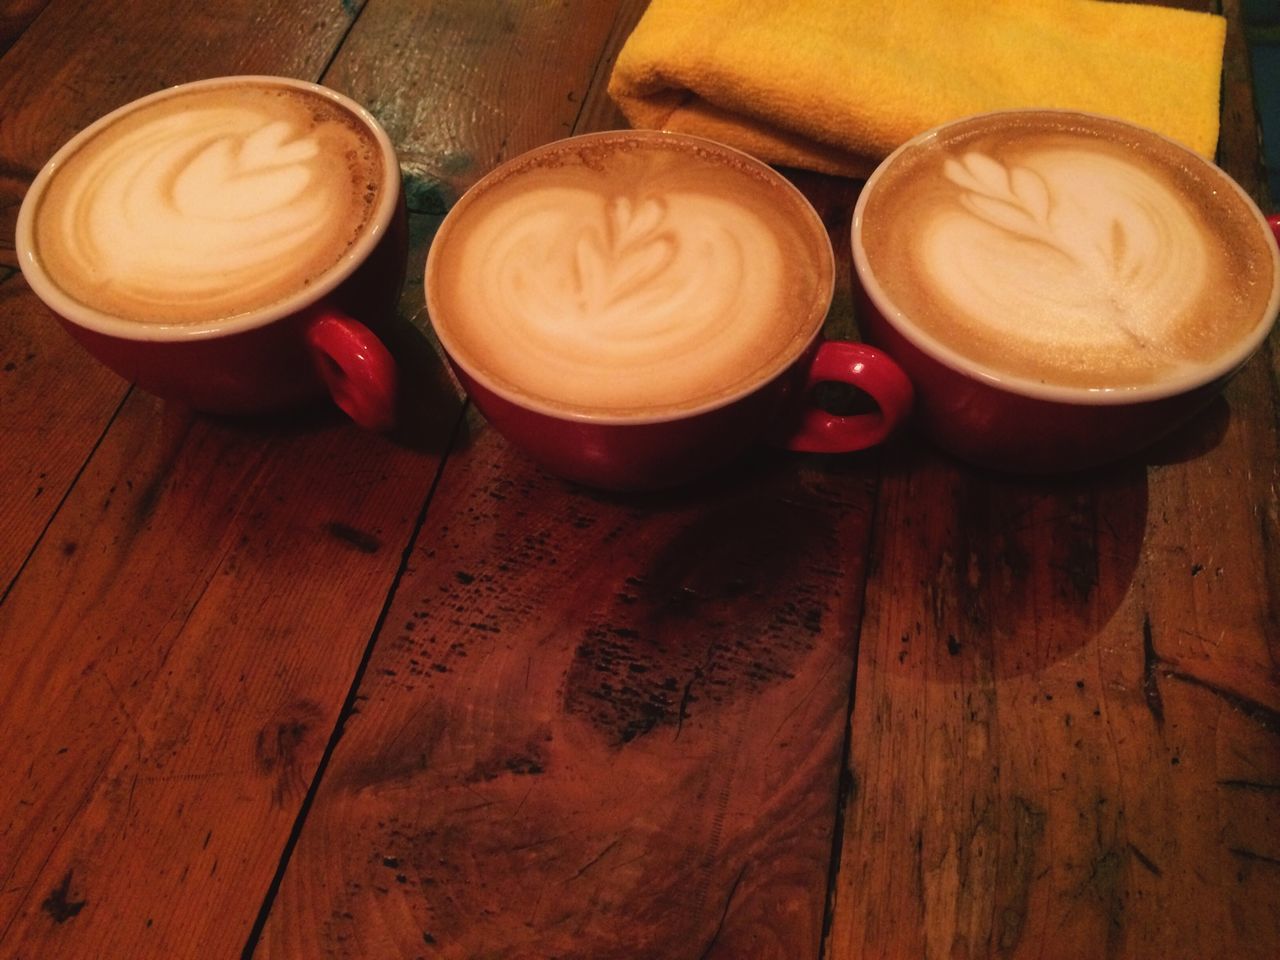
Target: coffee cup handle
355 366
868 370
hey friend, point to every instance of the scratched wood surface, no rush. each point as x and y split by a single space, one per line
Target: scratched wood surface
193 595
1064 738
601 756
283 689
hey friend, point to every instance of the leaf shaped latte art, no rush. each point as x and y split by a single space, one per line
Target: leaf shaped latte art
1066 246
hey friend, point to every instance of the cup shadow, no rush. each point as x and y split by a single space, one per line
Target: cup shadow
429 401
1015 573
1199 435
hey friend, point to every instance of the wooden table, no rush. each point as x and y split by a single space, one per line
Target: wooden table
285 689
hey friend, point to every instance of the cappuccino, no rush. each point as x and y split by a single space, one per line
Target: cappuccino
209 203
1067 251
629 275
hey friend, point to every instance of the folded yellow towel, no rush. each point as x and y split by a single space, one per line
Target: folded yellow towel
835 85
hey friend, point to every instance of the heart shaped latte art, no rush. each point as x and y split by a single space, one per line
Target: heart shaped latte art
216 203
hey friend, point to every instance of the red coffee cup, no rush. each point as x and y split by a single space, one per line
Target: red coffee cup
623 451
654 454
1005 420
319 337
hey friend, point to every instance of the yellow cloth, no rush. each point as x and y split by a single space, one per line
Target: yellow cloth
835 85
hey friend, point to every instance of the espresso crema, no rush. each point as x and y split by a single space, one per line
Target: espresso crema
1067 250
629 275
209 204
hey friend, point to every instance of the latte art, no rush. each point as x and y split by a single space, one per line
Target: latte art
1096 249
574 278
626 281
209 204
1045 249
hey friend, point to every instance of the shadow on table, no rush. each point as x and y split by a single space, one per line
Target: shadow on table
1016 573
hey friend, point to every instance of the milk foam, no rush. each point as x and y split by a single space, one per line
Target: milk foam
649 281
208 205
1060 255
1098 251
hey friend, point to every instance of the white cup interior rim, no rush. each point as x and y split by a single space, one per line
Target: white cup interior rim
1025 386
85 315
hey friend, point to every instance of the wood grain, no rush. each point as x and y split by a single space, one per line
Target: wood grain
463 86
177 651
284 689
1064 735
593 728
180 642
15 18
56 403
590 727
1033 773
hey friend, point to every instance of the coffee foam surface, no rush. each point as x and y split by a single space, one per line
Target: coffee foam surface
1047 250
618 279
209 204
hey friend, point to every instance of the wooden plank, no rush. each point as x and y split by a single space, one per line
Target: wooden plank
176 653
56 402
591 726
15 17
1239 149
1039 734
1064 734
599 112
462 86
180 643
